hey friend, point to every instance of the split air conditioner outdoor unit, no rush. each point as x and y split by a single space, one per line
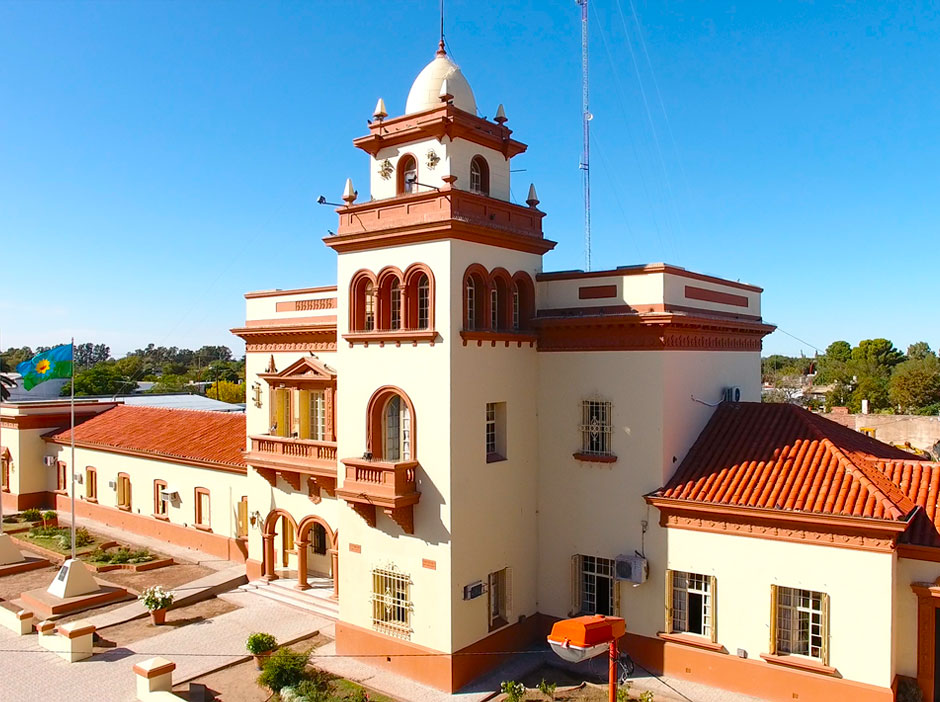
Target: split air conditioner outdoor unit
112 484
169 493
48 460
731 394
474 590
79 478
634 569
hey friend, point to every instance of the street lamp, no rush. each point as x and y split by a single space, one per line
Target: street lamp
580 638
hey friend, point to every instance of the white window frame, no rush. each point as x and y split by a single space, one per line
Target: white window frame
801 623
499 595
317 422
589 569
471 289
490 428
394 306
424 302
680 585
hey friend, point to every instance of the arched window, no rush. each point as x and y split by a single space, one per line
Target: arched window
472 307
407 174
389 307
391 432
424 302
369 307
477 298
362 302
479 176
500 300
515 308
523 301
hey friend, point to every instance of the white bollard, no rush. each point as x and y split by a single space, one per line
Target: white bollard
154 677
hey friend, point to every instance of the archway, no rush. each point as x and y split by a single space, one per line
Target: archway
309 525
268 535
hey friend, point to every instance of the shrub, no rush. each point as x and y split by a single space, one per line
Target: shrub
646 696
49 515
48 531
100 555
548 688
31 515
260 642
156 598
513 690
82 537
285 668
141 555
360 696
623 693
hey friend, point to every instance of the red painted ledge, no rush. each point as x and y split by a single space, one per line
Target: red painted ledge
594 457
800 663
693 640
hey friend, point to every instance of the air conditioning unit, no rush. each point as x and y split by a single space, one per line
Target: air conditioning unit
634 569
731 394
170 493
474 590
48 460
79 478
112 484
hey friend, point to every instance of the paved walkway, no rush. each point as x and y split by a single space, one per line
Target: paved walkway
28 672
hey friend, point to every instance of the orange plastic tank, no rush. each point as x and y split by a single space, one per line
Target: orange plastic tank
581 638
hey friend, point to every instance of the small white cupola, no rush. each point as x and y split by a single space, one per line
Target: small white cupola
425 93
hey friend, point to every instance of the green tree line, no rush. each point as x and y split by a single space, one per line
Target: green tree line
874 370
170 369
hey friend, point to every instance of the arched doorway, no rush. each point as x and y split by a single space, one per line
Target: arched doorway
278 540
317 552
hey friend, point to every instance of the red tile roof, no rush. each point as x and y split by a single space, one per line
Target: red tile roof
192 435
781 457
920 481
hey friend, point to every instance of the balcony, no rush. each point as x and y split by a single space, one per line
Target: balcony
391 486
295 459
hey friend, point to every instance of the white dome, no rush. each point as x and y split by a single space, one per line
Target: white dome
425 92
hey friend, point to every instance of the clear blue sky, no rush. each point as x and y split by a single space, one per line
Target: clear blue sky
159 159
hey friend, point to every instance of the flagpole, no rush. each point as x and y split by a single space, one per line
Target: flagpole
72 434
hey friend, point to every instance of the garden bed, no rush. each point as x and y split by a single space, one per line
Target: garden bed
49 547
133 567
24 521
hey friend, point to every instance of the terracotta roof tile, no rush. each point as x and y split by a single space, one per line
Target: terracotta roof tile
212 437
920 481
782 457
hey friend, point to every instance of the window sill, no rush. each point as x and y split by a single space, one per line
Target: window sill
494 458
124 508
203 527
92 500
61 492
161 517
594 457
694 640
801 663
507 337
394 336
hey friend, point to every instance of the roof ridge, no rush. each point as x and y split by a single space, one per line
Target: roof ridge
880 484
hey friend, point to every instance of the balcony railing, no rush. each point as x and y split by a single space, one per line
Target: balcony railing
285 453
391 486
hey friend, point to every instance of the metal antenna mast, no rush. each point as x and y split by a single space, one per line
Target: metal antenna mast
586 118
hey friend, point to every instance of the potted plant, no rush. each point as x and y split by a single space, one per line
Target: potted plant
50 518
261 645
156 600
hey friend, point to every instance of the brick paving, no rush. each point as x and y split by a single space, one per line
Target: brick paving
28 672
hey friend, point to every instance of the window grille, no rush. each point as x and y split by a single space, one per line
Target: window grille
595 427
801 623
476 177
424 302
515 308
691 603
370 307
397 430
391 602
597 585
490 427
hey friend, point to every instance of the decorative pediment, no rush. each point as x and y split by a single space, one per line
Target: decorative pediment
303 370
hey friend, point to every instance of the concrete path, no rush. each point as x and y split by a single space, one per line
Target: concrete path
193 591
28 672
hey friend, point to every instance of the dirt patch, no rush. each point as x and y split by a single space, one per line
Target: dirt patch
239 682
170 577
12 586
137 629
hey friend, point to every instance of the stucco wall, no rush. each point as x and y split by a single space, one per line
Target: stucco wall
860 585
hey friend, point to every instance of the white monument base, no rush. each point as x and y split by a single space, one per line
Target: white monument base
72 580
9 553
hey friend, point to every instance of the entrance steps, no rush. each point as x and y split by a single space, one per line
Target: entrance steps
317 600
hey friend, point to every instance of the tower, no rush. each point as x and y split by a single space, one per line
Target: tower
436 295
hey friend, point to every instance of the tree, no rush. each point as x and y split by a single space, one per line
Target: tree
227 392
833 365
919 350
6 384
915 384
12 357
101 379
87 355
877 353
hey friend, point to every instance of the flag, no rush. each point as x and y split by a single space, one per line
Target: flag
54 363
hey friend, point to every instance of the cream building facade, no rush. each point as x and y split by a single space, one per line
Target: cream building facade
457 448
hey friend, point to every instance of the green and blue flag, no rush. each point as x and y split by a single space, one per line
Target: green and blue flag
54 363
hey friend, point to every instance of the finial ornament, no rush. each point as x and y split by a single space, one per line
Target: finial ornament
349 195
380 111
533 198
500 115
441 51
